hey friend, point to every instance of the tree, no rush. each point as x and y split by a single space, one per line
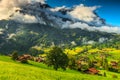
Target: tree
57 58
33 51
105 64
119 66
14 55
72 62
83 63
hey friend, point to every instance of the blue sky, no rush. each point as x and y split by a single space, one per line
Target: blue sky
110 9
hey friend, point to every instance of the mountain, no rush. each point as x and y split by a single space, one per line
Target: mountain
21 37
38 24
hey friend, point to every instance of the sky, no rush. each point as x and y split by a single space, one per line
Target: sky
109 9
82 16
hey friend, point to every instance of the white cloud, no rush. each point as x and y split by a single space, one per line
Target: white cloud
73 43
1 31
80 16
41 1
57 8
84 13
102 39
88 16
24 18
90 42
109 29
8 7
80 25
11 35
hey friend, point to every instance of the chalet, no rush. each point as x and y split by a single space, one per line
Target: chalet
39 59
25 57
92 71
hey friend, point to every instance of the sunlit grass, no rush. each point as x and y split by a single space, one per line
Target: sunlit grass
115 54
74 51
11 70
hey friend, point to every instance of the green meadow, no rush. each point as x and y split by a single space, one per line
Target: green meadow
12 70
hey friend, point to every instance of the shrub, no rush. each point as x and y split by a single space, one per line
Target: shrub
24 61
14 55
114 76
72 62
84 67
105 64
104 74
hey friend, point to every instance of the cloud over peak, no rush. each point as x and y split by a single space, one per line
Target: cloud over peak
8 7
32 11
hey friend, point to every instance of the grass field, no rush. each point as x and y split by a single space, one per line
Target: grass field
115 54
11 70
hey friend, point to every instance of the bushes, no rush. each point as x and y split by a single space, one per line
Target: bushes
114 76
84 67
14 55
105 64
72 63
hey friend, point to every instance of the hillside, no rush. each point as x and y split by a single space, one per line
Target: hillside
23 36
10 70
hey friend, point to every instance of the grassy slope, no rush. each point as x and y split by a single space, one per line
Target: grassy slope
10 70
